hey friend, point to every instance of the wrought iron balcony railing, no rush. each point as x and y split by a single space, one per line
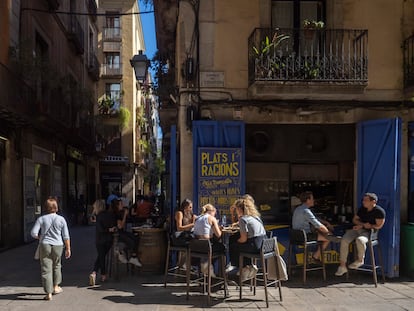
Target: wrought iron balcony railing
18 99
111 70
76 34
112 33
320 55
408 47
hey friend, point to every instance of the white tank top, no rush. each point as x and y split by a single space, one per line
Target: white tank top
202 227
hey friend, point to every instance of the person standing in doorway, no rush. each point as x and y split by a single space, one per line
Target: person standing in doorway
52 232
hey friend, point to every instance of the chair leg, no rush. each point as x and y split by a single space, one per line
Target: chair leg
373 264
223 269
290 259
254 279
381 263
209 262
166 265
240 276
278 283
323 262
264 281
305 261
188 262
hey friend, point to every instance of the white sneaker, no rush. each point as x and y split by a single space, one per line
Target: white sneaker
122 258
356 264
204 267
92 279
184 267
230 268
253 271
341 271
135 261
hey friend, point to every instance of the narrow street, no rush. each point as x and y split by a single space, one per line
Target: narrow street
20 288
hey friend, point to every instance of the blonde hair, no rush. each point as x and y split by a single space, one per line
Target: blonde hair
247 206
51 205
207 208
248 197
98 206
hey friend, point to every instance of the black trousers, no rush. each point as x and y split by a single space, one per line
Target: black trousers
100 263
252 245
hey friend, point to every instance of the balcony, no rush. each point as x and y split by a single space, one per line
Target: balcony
112 34
93 66
76 34
408 47
92 9
18 99
337 58
111 70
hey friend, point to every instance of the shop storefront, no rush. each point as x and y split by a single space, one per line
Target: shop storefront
338 162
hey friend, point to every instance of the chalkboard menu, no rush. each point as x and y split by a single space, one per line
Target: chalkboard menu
219 177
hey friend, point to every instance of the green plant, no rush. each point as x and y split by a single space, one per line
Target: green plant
124 115
312 24
266 44
105 105
145 146
310 71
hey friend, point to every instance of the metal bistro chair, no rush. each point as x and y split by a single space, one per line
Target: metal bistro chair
299 238
202 249
173 271
267 251
372 267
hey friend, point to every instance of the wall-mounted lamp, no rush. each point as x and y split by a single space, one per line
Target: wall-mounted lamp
140 63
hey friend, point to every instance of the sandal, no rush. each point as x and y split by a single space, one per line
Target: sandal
48 297
58 290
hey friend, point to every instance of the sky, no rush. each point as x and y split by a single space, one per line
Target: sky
148 25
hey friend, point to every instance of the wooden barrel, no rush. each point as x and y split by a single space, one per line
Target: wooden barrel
152 249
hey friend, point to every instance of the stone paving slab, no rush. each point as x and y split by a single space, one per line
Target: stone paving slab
20 289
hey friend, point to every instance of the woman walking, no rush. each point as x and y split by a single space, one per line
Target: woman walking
105 227
52 232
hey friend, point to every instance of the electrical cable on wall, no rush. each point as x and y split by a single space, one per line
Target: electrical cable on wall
111 14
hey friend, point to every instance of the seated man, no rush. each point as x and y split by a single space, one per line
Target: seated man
303 218
369 216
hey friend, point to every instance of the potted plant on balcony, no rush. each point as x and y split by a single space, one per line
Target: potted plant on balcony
310 26
264 66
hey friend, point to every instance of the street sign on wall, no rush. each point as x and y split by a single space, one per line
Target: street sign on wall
219 177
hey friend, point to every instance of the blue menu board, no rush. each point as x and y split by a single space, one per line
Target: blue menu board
219 177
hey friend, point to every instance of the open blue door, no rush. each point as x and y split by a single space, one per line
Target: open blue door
379 149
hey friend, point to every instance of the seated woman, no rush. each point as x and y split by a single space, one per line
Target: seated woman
206 227
252 233
128 238
184 222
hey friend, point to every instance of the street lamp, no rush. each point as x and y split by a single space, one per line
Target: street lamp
140 63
